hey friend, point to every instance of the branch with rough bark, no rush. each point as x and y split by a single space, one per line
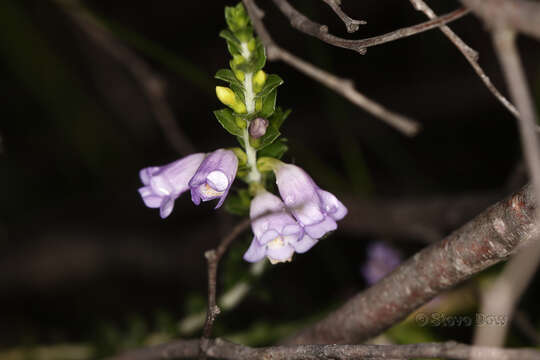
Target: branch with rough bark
222 349
489 238
503 296
302 23
342 86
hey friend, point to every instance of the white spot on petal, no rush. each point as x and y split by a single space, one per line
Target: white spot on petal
218 180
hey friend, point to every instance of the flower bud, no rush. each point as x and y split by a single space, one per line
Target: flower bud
225 95
228 97
237 60
258 80
257 127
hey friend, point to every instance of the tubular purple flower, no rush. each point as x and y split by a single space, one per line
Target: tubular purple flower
164 184
315 209
276 234
214 177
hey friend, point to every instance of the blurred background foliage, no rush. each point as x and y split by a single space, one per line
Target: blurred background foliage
86 270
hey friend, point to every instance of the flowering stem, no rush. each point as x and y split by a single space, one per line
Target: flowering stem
254 174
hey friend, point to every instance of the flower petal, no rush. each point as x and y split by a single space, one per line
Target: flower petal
268 236
317 231
298 191
146 174
303 245
166 207
268 212
150 199
280 254
255 252
214 177
331 205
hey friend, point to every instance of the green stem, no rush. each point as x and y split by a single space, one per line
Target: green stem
249 96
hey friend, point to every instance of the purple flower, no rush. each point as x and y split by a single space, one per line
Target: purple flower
276 234
163 184
214 177
315 209
381 259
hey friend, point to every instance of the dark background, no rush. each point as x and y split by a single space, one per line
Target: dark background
80 255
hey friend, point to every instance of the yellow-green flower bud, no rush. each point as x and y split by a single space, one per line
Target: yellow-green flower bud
268 164
240 154
228 97
258 104
225 95
239 107
258 80
240 75
238 59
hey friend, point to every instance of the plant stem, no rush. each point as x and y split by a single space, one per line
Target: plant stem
254 174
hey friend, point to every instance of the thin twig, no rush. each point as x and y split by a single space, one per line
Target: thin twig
520 15
305 25
213 257
150 83
470 54
351 24
487 239
222 349
503 296
344 87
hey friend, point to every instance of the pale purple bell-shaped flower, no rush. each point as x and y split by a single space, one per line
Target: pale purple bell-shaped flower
214 177
381 259
315 209
277 235
164 184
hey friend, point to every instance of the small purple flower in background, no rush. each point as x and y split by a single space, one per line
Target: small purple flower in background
276 234
214 177
381 260
164 184
315 209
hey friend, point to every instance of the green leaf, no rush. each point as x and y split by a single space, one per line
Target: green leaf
227 120
239 91
229 36
233 44
269 104
275 150
272 82
272 132
271 135
240 140
238 203
228 76
258 56
279 117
